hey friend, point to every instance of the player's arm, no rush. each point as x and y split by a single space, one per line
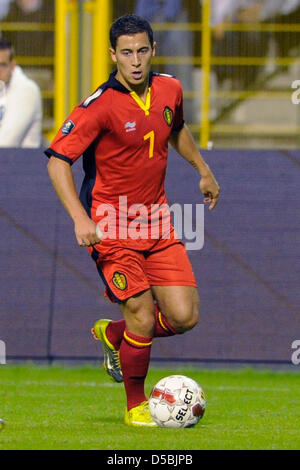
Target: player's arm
62 179
184 144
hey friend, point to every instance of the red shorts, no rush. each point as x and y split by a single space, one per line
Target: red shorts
126 272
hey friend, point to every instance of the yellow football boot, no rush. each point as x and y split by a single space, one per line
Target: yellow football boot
111 362
140 416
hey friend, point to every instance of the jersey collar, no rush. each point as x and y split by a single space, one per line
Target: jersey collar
116 85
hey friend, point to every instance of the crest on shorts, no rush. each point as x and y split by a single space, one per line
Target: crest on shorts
168 115
119 280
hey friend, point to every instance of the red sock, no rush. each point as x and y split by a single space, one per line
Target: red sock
135 358
162 327
115 329
115 332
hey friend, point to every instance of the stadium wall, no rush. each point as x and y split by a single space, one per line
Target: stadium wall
248 270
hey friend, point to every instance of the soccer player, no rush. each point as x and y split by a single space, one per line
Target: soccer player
123 130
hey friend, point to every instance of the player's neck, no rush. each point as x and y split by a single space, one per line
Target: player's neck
141 90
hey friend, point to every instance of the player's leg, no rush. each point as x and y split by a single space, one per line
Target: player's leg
130 339
134 354
180 306
122 272
138 313
173 285
111 333
135 349
167 266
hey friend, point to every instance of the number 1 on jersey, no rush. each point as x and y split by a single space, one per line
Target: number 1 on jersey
150 136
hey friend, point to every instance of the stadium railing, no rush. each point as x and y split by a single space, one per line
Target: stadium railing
81 62
28 33
79 33
209 127
81 52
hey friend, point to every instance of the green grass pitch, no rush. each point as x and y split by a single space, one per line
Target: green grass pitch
78 408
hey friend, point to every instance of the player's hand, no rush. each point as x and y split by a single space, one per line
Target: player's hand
211 190
87 233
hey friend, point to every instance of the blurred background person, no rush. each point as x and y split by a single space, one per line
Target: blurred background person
283 12
4 9
251 43
239 43
36 42
20 104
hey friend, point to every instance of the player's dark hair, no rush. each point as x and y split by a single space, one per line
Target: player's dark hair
6 45
129 24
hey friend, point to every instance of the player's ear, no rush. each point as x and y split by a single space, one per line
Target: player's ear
154 49
113 55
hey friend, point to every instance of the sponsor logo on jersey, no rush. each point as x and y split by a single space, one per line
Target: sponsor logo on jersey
119 280
168 115
67 127
130 126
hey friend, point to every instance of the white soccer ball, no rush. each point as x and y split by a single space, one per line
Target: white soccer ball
177 402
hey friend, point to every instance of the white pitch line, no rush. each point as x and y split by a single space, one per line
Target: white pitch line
60 384
250 389
112 385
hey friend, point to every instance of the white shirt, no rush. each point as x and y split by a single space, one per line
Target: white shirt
225 10
276 7
20 112
4 7
222 10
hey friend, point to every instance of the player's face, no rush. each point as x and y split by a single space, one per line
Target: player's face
6 66
133 56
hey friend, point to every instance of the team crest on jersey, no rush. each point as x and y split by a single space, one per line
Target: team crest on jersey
119 280
67 127
168 115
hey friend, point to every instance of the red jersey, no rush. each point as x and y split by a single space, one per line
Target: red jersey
124 142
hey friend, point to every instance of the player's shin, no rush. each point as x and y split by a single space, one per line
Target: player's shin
135 357
162 326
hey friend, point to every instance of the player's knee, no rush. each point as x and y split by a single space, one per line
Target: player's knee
140 319
144 324
187 318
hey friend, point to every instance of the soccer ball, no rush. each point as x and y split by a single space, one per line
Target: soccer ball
177 402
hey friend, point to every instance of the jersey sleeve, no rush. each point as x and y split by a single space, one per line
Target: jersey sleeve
178 122
85 124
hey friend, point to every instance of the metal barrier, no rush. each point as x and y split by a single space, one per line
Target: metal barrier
32 35
81 27
206 60
81 62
